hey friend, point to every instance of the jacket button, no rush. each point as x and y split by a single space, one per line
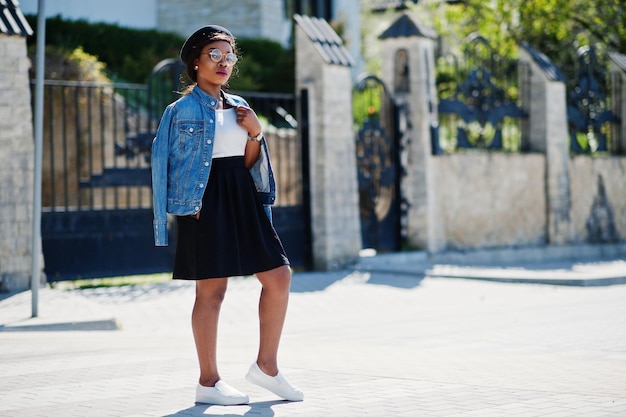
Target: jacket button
206 164
191 130
201 185
208 141
197 208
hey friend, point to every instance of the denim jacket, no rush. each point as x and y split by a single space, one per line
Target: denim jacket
181 159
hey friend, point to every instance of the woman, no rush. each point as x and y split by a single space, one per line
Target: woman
211 169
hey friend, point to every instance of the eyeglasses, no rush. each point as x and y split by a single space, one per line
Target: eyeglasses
216 56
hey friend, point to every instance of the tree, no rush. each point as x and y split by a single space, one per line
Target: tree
555 27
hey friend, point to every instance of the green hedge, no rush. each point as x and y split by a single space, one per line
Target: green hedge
130 54
265 66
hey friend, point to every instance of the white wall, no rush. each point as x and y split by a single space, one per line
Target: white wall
139 14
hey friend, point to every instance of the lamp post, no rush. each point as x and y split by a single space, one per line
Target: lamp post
36 242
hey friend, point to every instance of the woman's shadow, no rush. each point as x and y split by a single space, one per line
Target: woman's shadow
260 409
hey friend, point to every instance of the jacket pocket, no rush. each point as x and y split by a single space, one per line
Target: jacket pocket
189 137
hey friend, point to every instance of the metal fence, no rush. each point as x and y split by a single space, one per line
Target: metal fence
591 90
87 163
97 141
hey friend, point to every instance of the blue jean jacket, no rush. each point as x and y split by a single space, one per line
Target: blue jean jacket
181 159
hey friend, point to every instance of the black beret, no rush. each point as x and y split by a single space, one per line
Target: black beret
205 32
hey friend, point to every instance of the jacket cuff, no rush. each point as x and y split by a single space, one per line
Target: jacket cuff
160 232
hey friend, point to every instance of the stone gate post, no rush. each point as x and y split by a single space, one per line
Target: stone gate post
549 135
323 68
17 149
408 68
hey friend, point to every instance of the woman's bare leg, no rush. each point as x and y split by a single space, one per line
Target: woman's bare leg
272 311
204 318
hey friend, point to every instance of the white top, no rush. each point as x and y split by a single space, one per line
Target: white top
230 138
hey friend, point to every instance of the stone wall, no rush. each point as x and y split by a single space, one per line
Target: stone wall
488 200
598 192
16 165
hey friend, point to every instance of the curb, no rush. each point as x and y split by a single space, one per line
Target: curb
523 276
89 325
551 269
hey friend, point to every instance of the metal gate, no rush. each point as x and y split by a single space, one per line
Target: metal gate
378 162
97 201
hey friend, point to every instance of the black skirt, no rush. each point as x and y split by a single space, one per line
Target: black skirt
233 236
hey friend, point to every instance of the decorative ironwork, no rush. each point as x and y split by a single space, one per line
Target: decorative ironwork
479 112
588 114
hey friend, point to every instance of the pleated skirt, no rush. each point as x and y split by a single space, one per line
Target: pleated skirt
233 236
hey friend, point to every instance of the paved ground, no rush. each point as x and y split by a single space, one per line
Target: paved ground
406 342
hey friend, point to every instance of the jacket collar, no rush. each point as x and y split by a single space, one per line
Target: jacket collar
210 101
204 98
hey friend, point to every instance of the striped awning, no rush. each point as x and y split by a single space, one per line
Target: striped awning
12 20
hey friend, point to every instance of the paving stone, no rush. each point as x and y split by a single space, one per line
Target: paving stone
360 343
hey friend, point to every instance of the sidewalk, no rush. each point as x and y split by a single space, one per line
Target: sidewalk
398 335
577 265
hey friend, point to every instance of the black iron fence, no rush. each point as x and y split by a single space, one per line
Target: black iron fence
93 158
484 99
97 140
479 100
591 90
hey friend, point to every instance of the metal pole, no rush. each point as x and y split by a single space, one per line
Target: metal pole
36 248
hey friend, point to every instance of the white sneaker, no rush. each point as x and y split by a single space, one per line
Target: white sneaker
220 394
277 384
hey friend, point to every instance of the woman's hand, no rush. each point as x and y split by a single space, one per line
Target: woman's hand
248 120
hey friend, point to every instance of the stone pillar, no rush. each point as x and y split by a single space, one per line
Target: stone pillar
17 151
549 134
617 65
323 68
408 68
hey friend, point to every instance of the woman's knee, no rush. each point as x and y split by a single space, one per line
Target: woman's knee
211 291
278 279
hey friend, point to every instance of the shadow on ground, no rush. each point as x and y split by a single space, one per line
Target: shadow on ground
260 409
319 281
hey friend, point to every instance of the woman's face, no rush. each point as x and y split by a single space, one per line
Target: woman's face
212 72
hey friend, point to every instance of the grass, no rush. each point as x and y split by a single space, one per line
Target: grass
81 284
